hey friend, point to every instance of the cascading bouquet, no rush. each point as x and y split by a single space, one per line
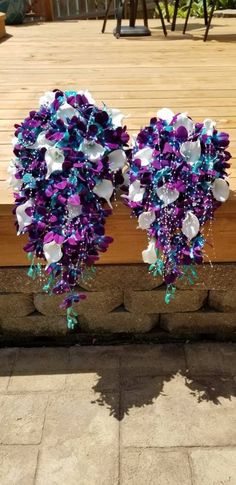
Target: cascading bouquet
68 160
177 181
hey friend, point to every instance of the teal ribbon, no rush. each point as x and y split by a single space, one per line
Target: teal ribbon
170 293
72 318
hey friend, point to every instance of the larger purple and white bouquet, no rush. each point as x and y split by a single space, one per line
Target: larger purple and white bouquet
178 178
68 160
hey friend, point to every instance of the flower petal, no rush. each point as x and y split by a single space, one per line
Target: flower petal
117 160
168 196
54 159
52 252
209 126
146 219
117 117
165 114
74 210
184 120
220 190
191 225
136 192
47 98
191 151
149 255
92 150
104 189
145 155
66 111
22 218
88 95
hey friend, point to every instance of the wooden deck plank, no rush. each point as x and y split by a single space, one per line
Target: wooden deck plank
139 76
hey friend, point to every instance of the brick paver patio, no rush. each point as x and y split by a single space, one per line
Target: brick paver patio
162 415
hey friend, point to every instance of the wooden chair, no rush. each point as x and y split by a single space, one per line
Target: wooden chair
177 2
208 20
132 30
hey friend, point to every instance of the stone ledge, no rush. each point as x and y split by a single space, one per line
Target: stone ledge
33 326
188 324
223 301
154 301
97 302
227 13
118 322
16 305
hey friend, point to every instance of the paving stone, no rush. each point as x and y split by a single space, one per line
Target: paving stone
161 359
123 276
92 358
22 418
16 305
7 358
165 412
99 301
41 360
33 326
154 301
117 322
93 367
154 467
223 301
214 467
18 464
211 358
190 323
80 443
33 383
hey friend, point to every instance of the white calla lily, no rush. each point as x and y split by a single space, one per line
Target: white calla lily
14 141
66 111
145 155
168 196
149 255
191 151
136 192
117 117
165 114
74 210
47 98
22 218
12 180
146 219
54 159
191 225
104 189
117 160
42 141
220 190
52 252
183 120
92 150
88 95
209 126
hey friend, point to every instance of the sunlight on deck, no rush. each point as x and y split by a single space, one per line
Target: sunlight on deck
138 75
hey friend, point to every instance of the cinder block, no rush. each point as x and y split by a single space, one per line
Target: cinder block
16 305
117 322
188 324
154 301
222 300
33 326
97 302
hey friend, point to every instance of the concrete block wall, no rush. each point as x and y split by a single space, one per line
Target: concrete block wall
123 299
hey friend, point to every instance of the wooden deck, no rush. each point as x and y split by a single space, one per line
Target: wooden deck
139 76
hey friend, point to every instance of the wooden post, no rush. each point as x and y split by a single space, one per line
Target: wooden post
48 9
